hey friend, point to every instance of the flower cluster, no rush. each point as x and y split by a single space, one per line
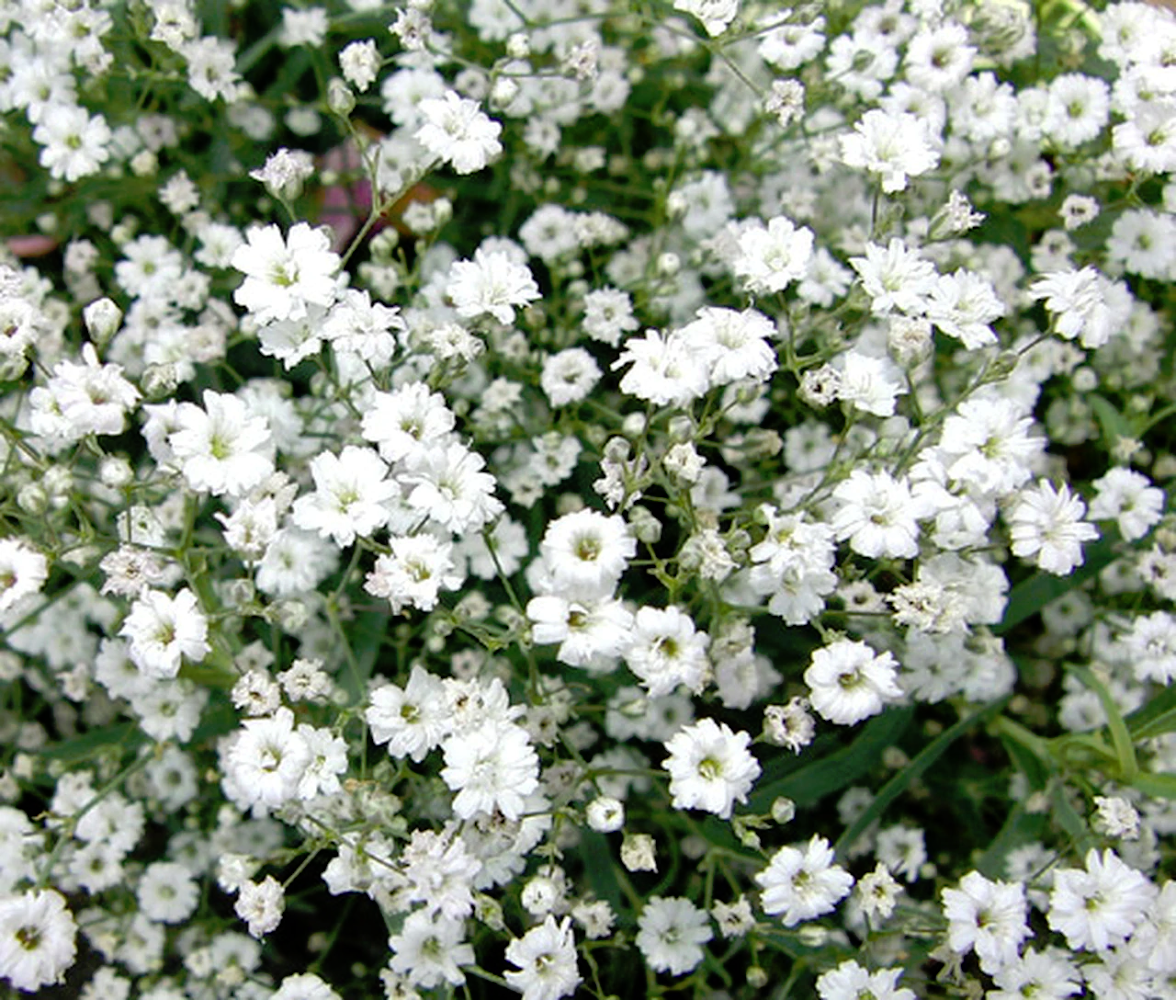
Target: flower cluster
501 495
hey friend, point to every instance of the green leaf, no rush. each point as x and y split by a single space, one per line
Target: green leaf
1026 761
1155 718
598 863
1160 786
840 768
217 719
1031 595
902 780
1069 820
126 735
1124 748
1114 425
1019 828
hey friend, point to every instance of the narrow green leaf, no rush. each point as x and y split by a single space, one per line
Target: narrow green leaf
1160 786
598 863
838 769
1114 425
1019 828
1124 748
1156 717
126 735
902 780
1069 820
1031 595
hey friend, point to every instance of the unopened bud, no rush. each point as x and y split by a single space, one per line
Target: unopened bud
340 99
115 472
102 318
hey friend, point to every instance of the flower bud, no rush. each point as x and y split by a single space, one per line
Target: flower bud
668 264
518 46
32 499
783 810
340 99
102 318
606 814
115 472
503 92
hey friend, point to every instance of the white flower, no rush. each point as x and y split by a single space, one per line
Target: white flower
671 932
492 768
304 986
869 384
360 63
212 70
283 277
328 760
448 485
457 131
411 721
37 939
438 870
591 634
162 630
608 313
569 376
260 905
877 893
546 958
988 445
963 305
849 682
23 571
1099 907
586 552
850 981
430 950
1047 524
665 650
893 146
410 420
1078 301
771 258
1116 817
351 495
167 893
285 172
222 448
715 15
1048 975
491 283
1151 647
268 759
732 345
1077 110
638 853
1129 498
81 399
74 142
987 916
414 573
879 515
896 278
303 27
665 370
710 767
800 884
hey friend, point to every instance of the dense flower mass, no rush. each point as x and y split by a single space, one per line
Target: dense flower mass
587 499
